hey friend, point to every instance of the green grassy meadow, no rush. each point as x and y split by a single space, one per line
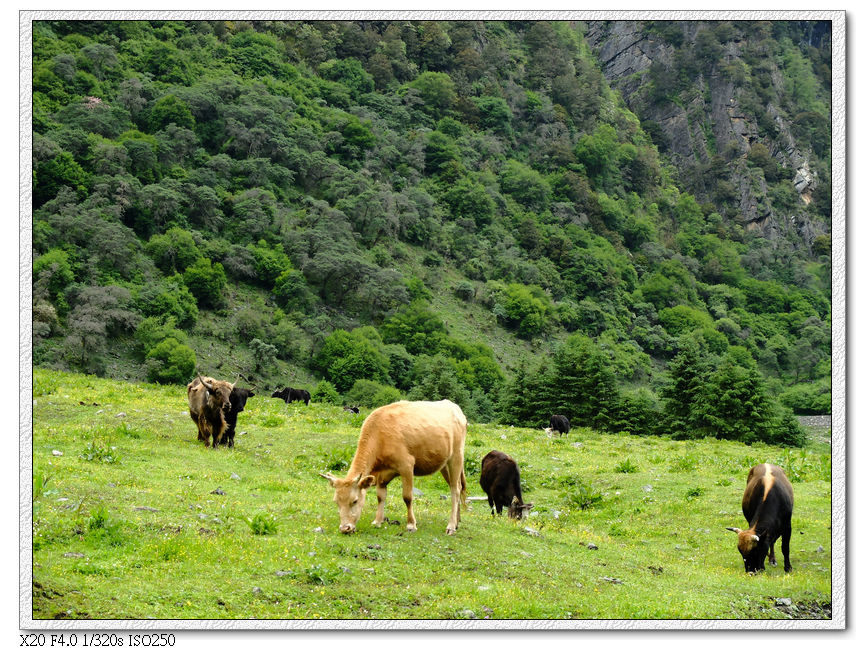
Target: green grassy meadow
127 522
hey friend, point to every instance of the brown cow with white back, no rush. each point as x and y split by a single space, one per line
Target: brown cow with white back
404 439
209 403
768 506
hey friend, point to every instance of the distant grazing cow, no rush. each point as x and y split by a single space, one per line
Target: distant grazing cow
292 395
560 423
500 479
238 399
407 439
209 403
768 507
351 409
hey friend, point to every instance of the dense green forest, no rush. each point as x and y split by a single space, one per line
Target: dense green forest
376 210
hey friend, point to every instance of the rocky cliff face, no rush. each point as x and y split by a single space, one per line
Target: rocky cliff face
707 129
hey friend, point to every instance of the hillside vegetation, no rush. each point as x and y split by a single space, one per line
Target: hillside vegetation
460 209
134 518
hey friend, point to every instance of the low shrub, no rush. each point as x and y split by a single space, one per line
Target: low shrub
262 524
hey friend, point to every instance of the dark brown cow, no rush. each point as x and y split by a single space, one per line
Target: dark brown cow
293 395
404 439
209 403
768 507
560 424
500 479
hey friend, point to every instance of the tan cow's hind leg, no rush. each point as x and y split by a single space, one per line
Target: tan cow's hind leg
453 473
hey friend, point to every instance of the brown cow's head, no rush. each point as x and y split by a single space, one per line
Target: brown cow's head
753 551
517 509
350 495
218 393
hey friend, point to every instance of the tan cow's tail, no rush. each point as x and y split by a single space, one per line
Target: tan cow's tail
463 494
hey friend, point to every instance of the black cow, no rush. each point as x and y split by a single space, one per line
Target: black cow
500 479
238 399
292 395
768 506
560 423
351 409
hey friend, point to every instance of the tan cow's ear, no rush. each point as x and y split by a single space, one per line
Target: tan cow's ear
366 482
735 530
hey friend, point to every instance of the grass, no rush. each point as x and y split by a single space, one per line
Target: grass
173 530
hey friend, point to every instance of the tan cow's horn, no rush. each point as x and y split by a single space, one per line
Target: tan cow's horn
735 530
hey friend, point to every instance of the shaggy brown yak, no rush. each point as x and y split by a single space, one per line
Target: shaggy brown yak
209 402
407 439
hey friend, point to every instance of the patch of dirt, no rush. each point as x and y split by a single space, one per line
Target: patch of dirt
816 421
819 427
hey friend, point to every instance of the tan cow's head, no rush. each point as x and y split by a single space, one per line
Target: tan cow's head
349 495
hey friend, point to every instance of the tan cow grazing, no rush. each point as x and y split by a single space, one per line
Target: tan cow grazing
404 439
209 402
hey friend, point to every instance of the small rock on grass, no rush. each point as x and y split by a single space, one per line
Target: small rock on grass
466 613
56 452
218 491
71 554
234 476
147 508
532 532
784 601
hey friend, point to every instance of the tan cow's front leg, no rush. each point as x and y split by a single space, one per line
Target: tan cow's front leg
381 493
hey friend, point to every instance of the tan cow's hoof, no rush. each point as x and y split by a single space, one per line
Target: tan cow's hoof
451 531
411 528
377 524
